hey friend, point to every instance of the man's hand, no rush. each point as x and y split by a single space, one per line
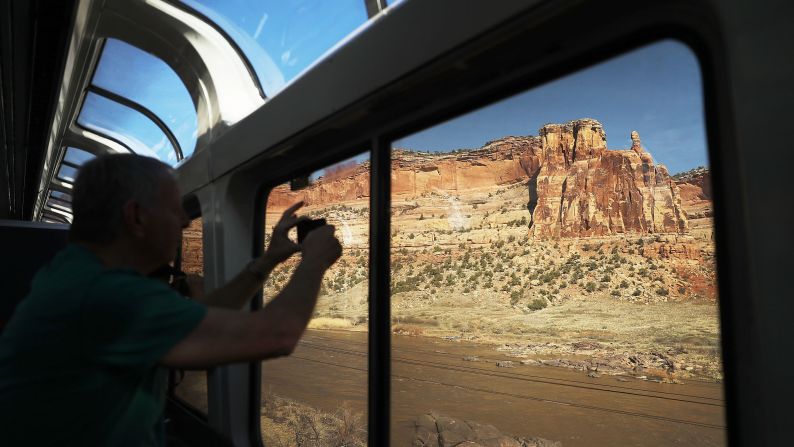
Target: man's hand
281 247
321 247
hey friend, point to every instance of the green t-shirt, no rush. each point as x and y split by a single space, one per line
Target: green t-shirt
78 360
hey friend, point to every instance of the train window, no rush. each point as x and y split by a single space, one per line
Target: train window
548 283
281 39
66 197
77 156
55 201
192 385
300 406
67 173
130 127
146 80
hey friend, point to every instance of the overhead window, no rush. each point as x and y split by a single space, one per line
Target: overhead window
146 80
77 156
67 173
62 196
126 125
282 38
56 201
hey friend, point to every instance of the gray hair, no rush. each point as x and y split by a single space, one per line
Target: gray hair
104 185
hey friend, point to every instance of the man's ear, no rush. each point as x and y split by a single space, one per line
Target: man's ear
132 219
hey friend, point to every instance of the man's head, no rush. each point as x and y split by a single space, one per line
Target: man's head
125 196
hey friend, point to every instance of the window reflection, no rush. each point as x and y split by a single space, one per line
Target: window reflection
143 78
126 125
282 38
550 284
300 406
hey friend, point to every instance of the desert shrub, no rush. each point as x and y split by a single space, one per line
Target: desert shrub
681 289
606 278
624 284
590 287
615 293
515 295
661 291
537 304
636 292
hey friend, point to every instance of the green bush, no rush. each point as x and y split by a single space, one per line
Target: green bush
537 304
515 295
590 287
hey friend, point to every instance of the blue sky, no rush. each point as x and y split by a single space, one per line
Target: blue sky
655 90
283 37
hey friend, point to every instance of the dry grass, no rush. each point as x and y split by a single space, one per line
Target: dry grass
330 323
287 423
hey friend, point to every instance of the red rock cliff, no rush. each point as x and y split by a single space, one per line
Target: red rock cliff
575 185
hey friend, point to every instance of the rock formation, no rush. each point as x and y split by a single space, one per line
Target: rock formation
583 189
575 185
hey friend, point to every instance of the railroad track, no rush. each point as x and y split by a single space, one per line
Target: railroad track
307 341
315 343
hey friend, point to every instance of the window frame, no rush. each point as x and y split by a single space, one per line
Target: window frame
303 167
380 156
445 87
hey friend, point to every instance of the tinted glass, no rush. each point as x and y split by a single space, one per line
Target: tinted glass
77 156
550 284
282 38
62 196
143 78
318 395
63 203
192 385
126 125
67 173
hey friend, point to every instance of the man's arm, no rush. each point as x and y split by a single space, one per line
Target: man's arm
239 290
227 336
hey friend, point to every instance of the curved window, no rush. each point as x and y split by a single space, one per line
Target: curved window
143 78
67 173
77 156
130 127
282 38
56 201
62 196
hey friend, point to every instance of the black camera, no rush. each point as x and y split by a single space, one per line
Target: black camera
305 226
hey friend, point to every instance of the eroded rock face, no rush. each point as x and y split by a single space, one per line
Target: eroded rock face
575 186
586 190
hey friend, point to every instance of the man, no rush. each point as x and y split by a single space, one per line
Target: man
80 359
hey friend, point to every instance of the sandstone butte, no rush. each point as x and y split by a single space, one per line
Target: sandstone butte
576 187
